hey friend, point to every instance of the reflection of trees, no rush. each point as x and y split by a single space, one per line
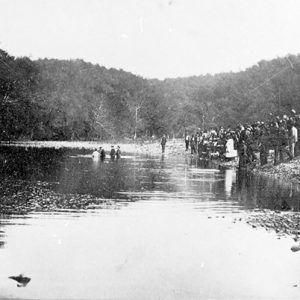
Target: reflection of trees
105 179
31 163
82 176
256 191
153 172
243 187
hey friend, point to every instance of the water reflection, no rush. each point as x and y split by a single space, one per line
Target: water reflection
40 173
230 179
134 223
257 191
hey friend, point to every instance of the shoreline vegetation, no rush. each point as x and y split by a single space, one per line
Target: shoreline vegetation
51 99
286 171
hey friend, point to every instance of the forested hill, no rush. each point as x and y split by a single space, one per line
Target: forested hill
72 100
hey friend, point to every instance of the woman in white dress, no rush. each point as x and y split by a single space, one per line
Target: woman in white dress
230 151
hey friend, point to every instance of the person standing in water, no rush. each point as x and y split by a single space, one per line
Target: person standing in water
112 153
118 153
187 142
102 153
163 143
96 155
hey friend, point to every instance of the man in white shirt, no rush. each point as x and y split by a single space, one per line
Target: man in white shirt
294 139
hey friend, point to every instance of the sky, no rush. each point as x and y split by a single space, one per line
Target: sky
153 38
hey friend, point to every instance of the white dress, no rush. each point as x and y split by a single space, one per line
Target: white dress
96 155
230 152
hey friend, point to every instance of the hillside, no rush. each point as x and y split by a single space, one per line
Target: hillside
54 99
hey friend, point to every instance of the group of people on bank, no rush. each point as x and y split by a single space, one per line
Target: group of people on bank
250 142
100 154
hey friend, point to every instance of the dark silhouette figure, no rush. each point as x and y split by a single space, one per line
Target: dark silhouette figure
102 154
112 153
118 153
187 142
163 143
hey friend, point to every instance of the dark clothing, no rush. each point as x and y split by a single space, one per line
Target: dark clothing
102 154
200 148
112 153
264 150
118 154
193 145
283 143
244 159
163 144
187 145
187 142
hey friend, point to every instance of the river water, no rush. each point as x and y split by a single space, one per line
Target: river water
142 227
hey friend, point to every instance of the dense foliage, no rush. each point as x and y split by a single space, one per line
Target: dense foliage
67 100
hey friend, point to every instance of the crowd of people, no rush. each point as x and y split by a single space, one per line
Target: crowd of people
100 154
251 143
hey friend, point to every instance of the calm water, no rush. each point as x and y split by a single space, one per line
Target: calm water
166 230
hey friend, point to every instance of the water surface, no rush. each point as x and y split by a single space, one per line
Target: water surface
139 228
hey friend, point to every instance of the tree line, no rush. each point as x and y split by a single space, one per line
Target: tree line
52 99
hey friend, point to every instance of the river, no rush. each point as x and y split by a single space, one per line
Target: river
142 227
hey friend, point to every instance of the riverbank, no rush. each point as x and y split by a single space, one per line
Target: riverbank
287 171
284 224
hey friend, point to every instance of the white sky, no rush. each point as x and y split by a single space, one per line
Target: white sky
153 38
